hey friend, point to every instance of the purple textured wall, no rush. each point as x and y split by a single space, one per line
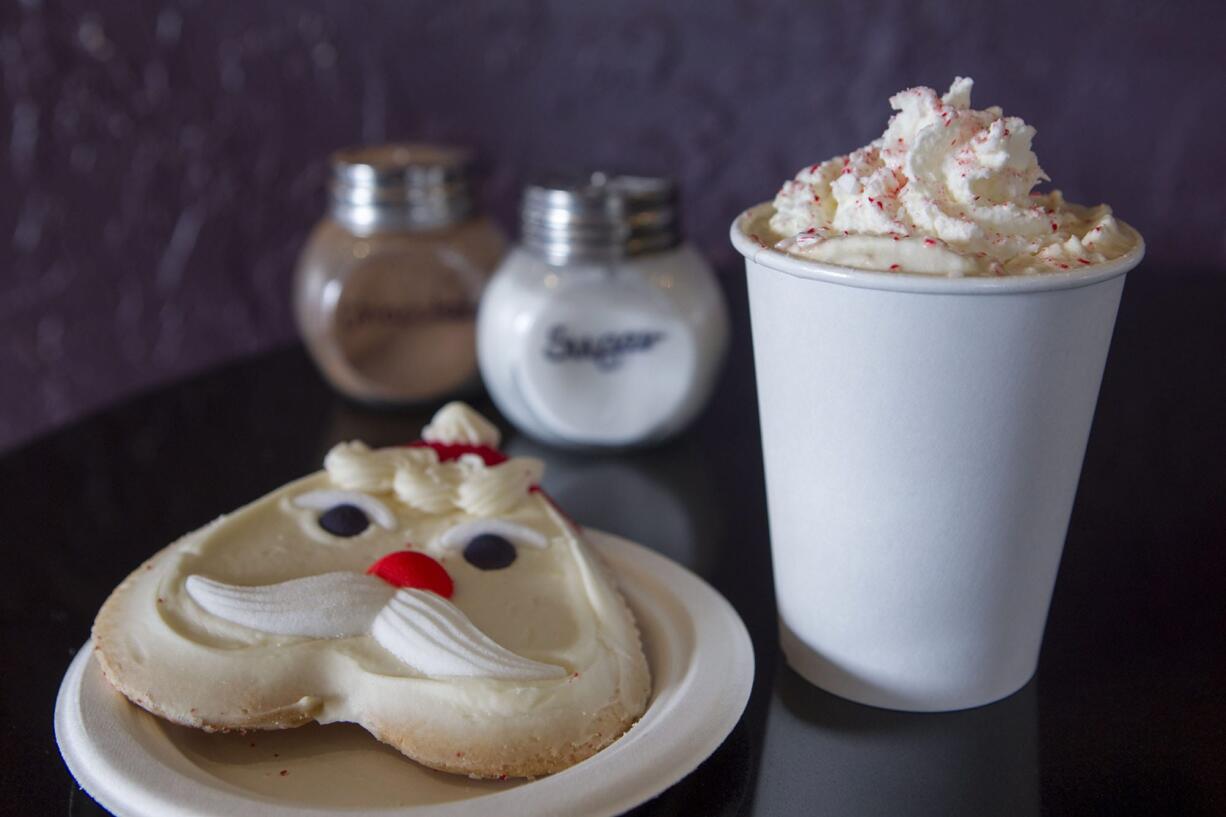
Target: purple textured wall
162 161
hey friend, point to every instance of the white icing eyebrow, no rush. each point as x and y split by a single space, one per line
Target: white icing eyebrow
323 500
461 534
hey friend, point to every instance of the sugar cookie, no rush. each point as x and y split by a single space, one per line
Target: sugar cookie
430 593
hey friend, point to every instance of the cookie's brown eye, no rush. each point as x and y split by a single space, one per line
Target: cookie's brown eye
344 520
489 551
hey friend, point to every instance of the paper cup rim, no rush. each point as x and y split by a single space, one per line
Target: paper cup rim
765 256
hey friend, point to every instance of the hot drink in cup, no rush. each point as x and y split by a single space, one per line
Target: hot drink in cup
929 338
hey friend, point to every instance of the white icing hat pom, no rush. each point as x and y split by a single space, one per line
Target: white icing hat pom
458 424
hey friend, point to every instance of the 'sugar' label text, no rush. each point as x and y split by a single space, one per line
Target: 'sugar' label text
606 350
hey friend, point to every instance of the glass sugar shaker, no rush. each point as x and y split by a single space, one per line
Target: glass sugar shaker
387 286
602 329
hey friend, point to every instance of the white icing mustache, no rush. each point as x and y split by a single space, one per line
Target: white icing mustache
422 629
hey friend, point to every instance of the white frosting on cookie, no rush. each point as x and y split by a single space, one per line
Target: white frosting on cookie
323 500
257 564
458 536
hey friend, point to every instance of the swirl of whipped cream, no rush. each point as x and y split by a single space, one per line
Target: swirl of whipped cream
457 423
946 190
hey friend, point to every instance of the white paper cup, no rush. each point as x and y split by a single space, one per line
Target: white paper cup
922 438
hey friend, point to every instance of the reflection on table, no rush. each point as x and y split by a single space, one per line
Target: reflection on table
859 761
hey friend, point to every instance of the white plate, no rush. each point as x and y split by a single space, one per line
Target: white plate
702 669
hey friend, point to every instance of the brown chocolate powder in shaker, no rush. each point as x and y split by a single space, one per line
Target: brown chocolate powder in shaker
387 286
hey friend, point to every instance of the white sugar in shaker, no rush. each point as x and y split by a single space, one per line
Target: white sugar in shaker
602 329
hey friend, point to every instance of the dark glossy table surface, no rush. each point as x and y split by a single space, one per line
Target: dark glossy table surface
1126 716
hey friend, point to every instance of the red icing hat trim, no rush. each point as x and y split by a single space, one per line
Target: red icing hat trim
409 568
453 451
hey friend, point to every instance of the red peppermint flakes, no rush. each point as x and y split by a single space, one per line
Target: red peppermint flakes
409 568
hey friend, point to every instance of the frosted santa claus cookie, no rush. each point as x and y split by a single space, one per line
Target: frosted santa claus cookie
430 593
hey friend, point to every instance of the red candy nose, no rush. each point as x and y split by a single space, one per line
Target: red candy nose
409 568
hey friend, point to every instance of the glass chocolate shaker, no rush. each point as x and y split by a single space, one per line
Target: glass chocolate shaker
603 329
387 287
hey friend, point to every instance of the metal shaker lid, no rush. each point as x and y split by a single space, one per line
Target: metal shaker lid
400 186
599 217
